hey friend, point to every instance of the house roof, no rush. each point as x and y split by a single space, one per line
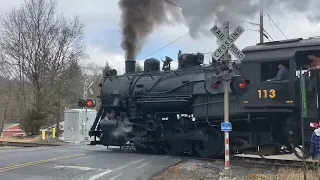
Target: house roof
8 125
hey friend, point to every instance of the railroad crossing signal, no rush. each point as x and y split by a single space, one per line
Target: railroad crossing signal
227 43
89 103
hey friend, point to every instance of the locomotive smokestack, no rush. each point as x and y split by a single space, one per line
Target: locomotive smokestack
130 66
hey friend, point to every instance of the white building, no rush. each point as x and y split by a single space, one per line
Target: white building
75 128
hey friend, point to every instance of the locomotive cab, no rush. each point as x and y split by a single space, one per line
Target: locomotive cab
262 62
263 66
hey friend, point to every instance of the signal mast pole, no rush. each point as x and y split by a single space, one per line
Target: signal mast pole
226 83
85 117
85 96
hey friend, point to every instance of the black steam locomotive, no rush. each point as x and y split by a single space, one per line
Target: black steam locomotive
180 111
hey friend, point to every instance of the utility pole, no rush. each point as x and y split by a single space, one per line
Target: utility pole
261 21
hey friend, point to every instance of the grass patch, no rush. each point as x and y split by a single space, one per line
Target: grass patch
20 139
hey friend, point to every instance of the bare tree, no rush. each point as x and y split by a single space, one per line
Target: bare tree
68 88
6 96
36 45
139 68
93 73
106 68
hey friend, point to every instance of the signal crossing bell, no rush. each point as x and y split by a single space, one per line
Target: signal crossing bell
89 103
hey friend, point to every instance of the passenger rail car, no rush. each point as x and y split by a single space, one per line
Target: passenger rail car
179 111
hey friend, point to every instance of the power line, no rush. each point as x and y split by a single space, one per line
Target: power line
272 28
277 26
165 46
267 35
173 3
291 22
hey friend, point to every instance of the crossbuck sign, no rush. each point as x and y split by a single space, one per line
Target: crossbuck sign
227 42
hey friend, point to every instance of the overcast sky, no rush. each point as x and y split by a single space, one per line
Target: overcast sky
103 32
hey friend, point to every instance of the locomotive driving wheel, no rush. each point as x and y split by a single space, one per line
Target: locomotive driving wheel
174 147
212 146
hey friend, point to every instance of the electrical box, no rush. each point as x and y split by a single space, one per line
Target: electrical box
75 128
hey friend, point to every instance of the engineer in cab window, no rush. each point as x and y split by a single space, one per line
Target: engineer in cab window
283 74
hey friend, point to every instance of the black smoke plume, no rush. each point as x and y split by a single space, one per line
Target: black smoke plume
139 17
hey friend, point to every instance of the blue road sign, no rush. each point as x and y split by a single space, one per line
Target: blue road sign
226 126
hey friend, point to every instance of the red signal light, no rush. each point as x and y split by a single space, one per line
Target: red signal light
90 103
215 84
243 84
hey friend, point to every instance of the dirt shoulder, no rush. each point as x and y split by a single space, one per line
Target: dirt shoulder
199 170
12 139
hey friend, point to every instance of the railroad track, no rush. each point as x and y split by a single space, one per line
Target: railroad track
275 163
26 144
259 162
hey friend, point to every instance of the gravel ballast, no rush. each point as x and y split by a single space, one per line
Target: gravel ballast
204 170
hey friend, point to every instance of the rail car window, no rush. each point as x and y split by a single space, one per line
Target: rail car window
269 70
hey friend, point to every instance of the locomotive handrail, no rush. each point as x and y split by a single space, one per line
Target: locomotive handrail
178 96
132 88
157 82
168 91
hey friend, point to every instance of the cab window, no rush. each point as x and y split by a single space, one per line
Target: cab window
269 70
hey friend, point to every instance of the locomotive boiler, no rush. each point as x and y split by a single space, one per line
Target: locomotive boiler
180 111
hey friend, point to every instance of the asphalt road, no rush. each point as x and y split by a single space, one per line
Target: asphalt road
80 162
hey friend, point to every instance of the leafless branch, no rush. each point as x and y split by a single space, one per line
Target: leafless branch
37 45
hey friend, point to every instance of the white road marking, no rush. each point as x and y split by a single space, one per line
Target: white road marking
124 166
115 177
79 168
100 175
114 170
142 165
